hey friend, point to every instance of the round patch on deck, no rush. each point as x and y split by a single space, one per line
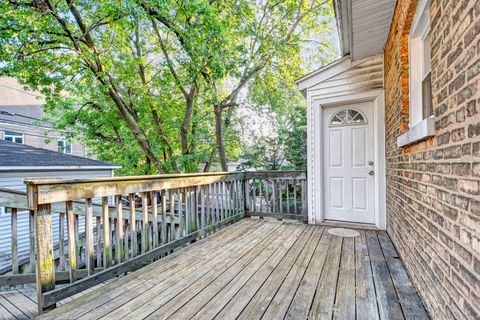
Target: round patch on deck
342 232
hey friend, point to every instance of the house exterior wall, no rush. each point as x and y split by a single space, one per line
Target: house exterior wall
23 108
433 186
40 138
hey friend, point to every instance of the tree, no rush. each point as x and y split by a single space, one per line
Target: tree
151 84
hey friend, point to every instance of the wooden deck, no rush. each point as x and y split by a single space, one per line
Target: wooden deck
261 269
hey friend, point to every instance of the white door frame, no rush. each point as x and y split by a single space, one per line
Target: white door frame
315 149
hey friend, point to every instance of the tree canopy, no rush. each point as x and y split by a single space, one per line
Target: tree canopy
153 85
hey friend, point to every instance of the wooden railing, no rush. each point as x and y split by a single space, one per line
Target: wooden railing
132 221
278 194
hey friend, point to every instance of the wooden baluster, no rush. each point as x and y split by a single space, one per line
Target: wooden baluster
267 196
210 204
126 238
133 224
230 198
254 196
193 206
111 223
187 211
144 232
72 254
172 214
288 195
208 220
247 202
215 199
220 201
13 228
304 197
107 245
181 218
89 235
274 196
240 193
99 241
61 244
295 209
202 203
153 195
119 248
280 193
45 272
233 197
78 252
31 226
164 217
260 195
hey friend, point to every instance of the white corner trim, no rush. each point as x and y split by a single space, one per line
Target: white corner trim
424 129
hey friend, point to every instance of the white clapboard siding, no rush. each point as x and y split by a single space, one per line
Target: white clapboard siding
366 75
14 180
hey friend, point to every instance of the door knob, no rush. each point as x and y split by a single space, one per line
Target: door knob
371 173
370 163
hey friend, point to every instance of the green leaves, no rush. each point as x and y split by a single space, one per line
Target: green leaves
125 76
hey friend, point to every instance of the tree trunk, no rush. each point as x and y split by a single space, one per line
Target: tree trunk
219 137
186 125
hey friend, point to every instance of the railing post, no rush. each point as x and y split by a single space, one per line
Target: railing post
13 219
72 254
45 274
107 245
31 227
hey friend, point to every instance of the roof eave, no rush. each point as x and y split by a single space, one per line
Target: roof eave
45 168
343 19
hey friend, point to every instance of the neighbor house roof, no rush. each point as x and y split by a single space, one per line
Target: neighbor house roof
23 157
363 26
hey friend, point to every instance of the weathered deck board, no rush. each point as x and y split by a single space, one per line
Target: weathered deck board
366 302
257 269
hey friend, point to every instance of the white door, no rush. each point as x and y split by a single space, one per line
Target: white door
348 163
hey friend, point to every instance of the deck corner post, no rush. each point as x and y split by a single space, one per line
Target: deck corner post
45 270
14 237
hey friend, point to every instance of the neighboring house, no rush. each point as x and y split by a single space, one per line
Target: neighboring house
19 161
21 120
394 139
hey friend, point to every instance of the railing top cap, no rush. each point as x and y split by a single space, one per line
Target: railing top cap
44 181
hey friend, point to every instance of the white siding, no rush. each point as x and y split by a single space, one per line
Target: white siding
14 180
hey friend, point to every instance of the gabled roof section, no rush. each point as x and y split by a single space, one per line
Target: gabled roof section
324 73
20 156
344 76
363 26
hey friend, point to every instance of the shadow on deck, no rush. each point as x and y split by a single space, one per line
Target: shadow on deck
261 269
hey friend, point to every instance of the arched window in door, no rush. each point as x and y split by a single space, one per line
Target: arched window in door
348 117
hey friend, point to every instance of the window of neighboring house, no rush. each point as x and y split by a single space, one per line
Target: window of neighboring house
13 136
421 120
64 146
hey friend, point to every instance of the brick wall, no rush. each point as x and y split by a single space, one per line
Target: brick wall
433 196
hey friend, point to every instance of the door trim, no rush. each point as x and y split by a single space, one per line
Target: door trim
315 152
